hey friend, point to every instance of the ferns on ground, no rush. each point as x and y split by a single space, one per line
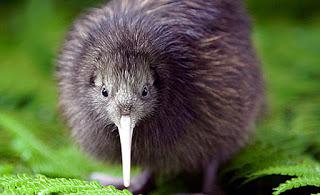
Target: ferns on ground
39 184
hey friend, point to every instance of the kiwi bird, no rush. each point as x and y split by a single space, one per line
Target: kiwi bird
168 85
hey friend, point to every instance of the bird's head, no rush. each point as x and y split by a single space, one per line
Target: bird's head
123 92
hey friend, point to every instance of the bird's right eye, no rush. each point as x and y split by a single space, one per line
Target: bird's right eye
104 92
145 92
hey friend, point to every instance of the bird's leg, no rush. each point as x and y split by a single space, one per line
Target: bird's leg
140 184
210 181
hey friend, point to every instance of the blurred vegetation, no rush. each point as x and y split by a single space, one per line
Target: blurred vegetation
300 10
33 138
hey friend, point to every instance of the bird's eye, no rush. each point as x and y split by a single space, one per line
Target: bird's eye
104 92
145 92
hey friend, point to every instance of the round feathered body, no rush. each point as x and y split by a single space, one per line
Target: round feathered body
204 82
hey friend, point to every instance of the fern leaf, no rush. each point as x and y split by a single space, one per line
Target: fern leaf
297 183
39 184
308 168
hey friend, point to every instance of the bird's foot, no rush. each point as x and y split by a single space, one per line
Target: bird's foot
140 184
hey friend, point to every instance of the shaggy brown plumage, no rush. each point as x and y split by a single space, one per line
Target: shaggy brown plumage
197 63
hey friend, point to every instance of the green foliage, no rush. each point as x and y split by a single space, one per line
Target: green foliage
296 9
287 142
305 173
43 159
297 183
39 184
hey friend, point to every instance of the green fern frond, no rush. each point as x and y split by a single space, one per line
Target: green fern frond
258 157
297 183
308 168
39 184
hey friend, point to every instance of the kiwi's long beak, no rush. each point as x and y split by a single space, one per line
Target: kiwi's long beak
125 131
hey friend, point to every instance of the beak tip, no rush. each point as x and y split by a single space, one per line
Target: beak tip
126 184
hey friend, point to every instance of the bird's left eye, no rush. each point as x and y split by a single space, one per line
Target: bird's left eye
104 92
145 92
